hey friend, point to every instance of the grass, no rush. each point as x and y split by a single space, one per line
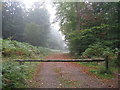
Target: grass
90 64
98 69
30 69
101 75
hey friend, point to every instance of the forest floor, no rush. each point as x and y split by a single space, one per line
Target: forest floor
67 75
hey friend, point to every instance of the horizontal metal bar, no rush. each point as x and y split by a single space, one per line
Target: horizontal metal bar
62 60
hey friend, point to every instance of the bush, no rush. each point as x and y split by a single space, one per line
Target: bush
15 48
15 51
79 41
98 51
104 71
13 75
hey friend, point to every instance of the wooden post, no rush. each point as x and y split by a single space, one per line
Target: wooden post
21 63
106 64
118 60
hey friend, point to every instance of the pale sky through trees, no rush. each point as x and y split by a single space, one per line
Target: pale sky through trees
51 9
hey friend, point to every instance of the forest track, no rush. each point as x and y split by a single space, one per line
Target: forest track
66 75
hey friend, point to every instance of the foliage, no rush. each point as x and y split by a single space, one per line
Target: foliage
90 14
79 41
102 73
0 75
37 26
31 25
17 76
12 75
33 33
98 69
85 24
98 50
14 48
13 20
91 29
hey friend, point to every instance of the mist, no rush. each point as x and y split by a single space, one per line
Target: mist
56 40
32 23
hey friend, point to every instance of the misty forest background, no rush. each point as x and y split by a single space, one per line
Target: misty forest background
30 25
91 30
83 24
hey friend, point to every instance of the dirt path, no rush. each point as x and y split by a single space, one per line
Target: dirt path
65 75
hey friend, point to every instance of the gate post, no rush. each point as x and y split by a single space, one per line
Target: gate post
21 62
106 64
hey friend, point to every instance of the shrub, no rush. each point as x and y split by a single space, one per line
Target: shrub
12 75
15 48
98 50
79 40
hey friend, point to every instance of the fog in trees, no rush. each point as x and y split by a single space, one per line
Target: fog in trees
55 40
31 25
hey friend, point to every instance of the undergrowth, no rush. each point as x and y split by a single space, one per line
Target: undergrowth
13 74
99 70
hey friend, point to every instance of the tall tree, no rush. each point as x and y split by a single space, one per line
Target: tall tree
91 20
39 18
12 20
